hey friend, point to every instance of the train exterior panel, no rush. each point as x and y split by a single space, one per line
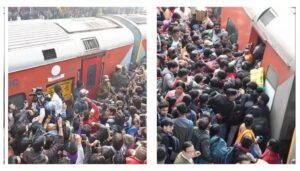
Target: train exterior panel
241 20
22 82
278 61
83 49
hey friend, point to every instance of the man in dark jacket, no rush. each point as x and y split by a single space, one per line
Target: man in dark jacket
162 112
261 114
223 106
80 104
183 128
105 90
79 86
171 143
200 140
115 76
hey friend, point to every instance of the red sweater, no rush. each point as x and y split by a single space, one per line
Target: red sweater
270 156
94 118
133 160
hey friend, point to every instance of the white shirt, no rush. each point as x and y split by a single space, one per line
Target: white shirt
58 104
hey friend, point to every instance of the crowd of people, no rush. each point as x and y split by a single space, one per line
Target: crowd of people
108 130
27 13
209 110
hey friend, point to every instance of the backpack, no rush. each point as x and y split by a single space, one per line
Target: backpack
175 144
228 157
209 112
218 148
175 148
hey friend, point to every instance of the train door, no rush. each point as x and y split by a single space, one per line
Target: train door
91 75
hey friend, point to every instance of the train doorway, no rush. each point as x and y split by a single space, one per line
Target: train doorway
91 75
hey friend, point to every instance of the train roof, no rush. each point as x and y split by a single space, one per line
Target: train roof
277 26
136 18
39 42
86 24
139 20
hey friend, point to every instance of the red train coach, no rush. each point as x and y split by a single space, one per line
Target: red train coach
272 30
42 53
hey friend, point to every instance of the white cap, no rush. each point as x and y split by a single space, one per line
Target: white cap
83 92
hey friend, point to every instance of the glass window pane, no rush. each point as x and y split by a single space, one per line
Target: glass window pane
232 31
91 77
18 100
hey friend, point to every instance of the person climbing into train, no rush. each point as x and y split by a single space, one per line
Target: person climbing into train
75 93
58 100
105 91
80 104
115 76
124 78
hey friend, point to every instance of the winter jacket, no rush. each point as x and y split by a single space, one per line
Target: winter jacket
168 80
183 129
133 160
200 140
181 159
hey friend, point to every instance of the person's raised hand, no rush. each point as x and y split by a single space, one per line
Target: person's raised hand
78 139
59 122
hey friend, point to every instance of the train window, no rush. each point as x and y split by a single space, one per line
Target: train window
232 31
267 16
91 77
49 54
90 43
18 100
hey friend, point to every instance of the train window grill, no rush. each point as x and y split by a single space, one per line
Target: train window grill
90 43
267 16
49 54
